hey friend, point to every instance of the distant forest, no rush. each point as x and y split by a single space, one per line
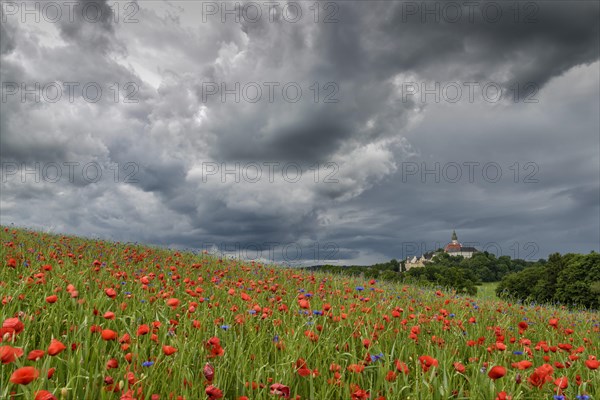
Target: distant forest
570 279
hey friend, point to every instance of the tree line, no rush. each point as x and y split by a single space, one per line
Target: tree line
570 279
451 272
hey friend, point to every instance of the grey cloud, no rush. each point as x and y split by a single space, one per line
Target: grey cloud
7 40
371 212
90 26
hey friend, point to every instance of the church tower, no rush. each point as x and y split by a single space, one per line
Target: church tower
454 248
454 237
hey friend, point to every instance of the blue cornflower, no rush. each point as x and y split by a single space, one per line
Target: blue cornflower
518 353
147 363
224 327
317 312
583 397
559 397
452 315
276 338
375 357
252 312
360 288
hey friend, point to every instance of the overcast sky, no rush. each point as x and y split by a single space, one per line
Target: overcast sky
365 130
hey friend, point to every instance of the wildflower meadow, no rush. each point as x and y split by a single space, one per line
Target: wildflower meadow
91 319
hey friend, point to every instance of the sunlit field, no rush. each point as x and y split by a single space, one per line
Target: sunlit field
487 290
85 319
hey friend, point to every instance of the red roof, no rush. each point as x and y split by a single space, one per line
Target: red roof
452 247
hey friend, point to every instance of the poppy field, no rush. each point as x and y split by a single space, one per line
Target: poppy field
90 319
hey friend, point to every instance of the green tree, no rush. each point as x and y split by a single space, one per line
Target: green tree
578 281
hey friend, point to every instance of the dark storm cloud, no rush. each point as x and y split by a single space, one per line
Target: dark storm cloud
90 26
372 213
7 41
543 41
377 41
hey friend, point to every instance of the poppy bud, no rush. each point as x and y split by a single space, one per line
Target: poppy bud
209 372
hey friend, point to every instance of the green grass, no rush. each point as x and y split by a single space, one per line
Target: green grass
264 347
487 290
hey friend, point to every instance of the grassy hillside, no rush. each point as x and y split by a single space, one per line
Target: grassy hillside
85 319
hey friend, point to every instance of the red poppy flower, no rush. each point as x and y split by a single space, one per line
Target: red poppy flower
541 375
356 368
109 315
173 302
110 292
304 304
301 368
524 364
35 355
360 394
143 330
9 354
168 350
56 347
562 382
24 375
592 363
214 345
13 325
108 334
427 362
213 392
51 299
459 367
523 326
503 396
44 395
245 297
391 376
280 390
497 372
402 367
